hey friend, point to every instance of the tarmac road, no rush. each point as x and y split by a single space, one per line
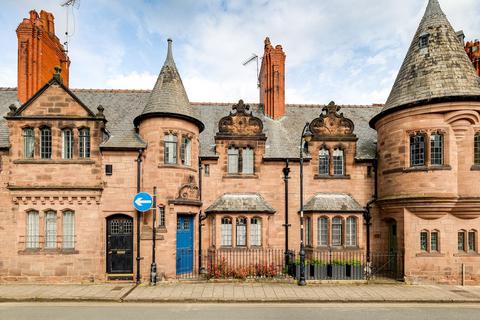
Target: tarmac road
259 311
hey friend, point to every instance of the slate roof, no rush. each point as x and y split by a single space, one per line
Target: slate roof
168 95
240 202
441 70
332 202
122 106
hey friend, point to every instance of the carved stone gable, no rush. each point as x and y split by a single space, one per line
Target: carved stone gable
189 190
240 122
332 123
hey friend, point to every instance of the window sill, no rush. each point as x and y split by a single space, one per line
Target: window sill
466 254
176 166
321 176
43 251
430 255
429 168
337 248
52 161
240 176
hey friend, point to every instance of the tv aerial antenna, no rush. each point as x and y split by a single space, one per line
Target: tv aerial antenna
69 4
254 57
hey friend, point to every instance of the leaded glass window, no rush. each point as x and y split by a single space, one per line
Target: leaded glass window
436 149
337 231
161 216
247 161
233 160
476 148
28 143
338 162
417 150
461 241
324 162
50 229
226 232
472 245
170 149
84 141
185 151
322 231
32 239
256 232
351 232
45 143
241 232
434 241
423 40
68 230
67 144
423 241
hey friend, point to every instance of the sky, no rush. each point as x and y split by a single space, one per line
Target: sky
348 51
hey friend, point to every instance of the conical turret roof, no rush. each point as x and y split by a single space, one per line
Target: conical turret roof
436 66
168 97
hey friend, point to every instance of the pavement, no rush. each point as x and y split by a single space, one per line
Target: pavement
239 292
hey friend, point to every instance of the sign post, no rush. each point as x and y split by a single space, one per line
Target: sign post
143 201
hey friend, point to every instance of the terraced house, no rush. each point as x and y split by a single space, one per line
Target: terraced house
399 179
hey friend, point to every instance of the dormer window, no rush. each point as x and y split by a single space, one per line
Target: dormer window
423 40
324 162
338 162
67 143
46 143
28 143
84 141
240 160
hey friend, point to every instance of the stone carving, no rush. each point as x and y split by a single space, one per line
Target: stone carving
240 122
189 190
332 123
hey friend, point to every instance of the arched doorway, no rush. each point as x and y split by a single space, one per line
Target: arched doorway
119 244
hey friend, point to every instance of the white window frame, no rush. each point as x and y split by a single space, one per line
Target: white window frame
84 143
68 240
67 143
50 229
351 232
32 240
256 231
28 143
226 232
322 231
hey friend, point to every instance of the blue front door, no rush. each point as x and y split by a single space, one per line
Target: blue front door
184 244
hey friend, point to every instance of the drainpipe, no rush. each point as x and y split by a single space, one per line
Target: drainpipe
286 172
139 215
201 217
367 215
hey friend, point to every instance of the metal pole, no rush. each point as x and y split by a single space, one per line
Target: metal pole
139 215
286 172
153 267
301 281
201 217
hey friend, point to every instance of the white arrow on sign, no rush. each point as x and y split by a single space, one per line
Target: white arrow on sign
140 201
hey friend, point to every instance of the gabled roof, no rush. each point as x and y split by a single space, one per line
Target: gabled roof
169 97
240 202
332 202
440 71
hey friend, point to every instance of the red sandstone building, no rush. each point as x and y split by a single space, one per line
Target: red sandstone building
72 161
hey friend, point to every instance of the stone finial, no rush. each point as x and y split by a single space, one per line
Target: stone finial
57 73
13 110
100 114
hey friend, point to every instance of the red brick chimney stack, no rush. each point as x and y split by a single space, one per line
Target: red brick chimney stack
272 81
39 51
473 51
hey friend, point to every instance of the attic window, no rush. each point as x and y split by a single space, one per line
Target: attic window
423 43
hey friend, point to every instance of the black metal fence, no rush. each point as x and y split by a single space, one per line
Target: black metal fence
245 263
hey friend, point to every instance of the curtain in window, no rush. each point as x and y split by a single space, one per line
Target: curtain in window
241 232
28 143
46 143
322 231
338 163
170 149
226 232
185 151
423 241
351 232
256 232
50 229
337 231
84 140
417 150
436 149
476 148
232 160
247 158
32 240
68 230
67 143
324 162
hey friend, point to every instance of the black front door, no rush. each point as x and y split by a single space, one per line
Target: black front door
119 244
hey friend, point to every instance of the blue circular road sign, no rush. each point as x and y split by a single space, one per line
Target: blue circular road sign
142 201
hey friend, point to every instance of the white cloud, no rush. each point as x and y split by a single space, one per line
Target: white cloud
133 80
